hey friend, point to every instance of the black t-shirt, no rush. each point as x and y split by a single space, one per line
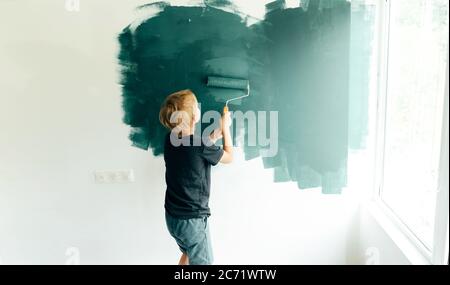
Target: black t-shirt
188 176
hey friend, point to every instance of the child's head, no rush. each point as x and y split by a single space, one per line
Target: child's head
180 109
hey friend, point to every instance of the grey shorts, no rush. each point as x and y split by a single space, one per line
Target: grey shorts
192 237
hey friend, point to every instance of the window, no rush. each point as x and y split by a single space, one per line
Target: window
415 81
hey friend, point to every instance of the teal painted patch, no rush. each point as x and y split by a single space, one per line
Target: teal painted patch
309 63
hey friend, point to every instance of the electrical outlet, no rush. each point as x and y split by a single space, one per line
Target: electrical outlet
116 176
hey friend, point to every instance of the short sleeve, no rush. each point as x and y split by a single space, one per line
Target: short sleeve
212 154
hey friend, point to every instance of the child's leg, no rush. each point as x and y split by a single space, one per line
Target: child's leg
199 243
184 259
192 237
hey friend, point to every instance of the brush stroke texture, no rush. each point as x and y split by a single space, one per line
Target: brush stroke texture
297 61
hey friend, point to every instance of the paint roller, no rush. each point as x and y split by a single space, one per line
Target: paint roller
229 83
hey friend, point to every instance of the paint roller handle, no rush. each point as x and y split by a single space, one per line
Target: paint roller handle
227 156
226 118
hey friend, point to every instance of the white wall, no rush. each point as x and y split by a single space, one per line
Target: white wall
60 120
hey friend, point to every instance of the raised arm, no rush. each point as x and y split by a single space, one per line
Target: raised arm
227 156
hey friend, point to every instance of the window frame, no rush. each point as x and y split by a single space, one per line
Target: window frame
409 243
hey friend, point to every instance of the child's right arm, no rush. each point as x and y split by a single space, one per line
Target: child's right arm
227 156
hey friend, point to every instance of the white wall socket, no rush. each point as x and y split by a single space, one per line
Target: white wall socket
114 176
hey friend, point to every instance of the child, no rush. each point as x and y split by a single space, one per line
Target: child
188 168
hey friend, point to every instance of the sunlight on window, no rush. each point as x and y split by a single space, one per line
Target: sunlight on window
418 42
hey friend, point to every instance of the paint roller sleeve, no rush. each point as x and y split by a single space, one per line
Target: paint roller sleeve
227 82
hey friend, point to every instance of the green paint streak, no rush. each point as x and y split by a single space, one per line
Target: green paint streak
297 62
178 49
310 74
361 44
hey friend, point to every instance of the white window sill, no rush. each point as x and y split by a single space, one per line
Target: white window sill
409 248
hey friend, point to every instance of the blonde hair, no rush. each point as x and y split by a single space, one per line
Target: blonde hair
179 104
